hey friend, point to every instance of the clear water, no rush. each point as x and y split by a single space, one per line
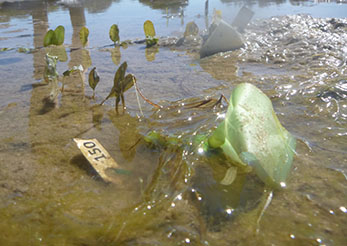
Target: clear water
294 51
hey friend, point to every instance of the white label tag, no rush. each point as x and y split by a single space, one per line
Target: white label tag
99 158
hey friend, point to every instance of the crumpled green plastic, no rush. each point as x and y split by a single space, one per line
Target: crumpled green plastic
251 134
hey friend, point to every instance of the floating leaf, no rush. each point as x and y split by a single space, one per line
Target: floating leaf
84 33
59 35
93 79
251 135
148 27
114 33
48 39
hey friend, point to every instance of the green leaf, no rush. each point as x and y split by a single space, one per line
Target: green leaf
114 33
148 27
128 82
253 136
59 35
48 39
93 78
84 33
118 78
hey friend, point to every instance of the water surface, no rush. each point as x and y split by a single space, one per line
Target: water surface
295 51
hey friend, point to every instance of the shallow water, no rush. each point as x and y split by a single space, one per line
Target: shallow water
49 195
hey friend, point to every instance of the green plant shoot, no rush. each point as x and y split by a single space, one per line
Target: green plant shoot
93 80
121 84
84 33
114 34
149 30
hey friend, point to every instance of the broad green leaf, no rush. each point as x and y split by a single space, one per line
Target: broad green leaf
48 39
114 33
93 78
254 136
148 27
84 33
59 35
